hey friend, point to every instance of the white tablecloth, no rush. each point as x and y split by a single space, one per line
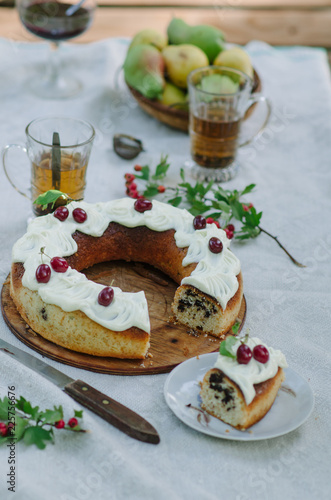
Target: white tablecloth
288 307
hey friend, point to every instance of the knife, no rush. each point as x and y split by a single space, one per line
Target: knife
107 408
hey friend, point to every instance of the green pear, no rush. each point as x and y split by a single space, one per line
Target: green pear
172 95
208 38
150 37
235 58
218 84
144 69
180 60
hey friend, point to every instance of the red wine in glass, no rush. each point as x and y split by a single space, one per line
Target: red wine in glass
56 20
49 20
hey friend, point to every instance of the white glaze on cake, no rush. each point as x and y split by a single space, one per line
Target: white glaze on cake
215 274
245 376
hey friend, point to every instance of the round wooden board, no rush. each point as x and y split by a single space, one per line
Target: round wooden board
170 344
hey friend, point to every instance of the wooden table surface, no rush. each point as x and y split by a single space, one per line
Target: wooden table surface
278 22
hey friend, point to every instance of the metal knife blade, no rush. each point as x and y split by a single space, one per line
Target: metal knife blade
107 408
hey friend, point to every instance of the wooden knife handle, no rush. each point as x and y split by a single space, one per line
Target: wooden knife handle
113 412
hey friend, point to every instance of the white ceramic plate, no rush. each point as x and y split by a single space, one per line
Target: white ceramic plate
291 408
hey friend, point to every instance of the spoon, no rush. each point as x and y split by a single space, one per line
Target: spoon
73 8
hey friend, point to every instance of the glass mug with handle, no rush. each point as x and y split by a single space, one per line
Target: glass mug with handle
219 100
59 150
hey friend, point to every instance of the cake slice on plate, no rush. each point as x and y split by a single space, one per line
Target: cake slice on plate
243 384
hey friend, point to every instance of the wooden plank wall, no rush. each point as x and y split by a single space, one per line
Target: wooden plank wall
278 22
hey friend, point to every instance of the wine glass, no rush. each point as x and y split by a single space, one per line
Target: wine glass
56 20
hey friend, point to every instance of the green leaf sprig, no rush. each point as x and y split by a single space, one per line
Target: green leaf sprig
202 198
33 426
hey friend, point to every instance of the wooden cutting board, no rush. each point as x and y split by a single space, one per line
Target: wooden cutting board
170 344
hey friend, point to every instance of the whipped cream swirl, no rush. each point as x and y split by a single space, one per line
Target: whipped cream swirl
245 376
215 274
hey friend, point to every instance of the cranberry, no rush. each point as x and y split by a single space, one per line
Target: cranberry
142 205
79 215
215 245
244 354
73 422
230 227
132 186
60 424
161 189
106 296
3 429
61 213
138 168
129 177
43 273
199 222
246 208
210 220
59 264
133 194
261 353
228 233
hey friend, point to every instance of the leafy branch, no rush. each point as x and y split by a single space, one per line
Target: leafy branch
21 421
218 205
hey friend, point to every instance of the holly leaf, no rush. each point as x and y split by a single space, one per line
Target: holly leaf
222 205
248 189
144 173
161 168
38 436
79 413
236 327
51 416
175 201
4 404
25 406
20 425
182 174
237 210
252 217
226 347
151 191
49 198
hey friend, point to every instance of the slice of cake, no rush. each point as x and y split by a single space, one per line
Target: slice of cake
242 386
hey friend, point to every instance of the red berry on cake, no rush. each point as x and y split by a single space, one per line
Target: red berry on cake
244 354
59 424
199 222
210 220
79 215
261 353
138 168
142 205
61 213
230 227
59 264
106 296
73 422
43 273
161 189
215 245
228 233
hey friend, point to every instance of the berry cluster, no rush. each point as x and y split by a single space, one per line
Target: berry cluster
72 422
245 354
132 188
200 222
78 214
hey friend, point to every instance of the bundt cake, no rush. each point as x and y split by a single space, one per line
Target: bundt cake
240 391
61 304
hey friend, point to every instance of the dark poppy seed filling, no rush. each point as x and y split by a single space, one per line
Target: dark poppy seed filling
190 299
44 314
215 383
